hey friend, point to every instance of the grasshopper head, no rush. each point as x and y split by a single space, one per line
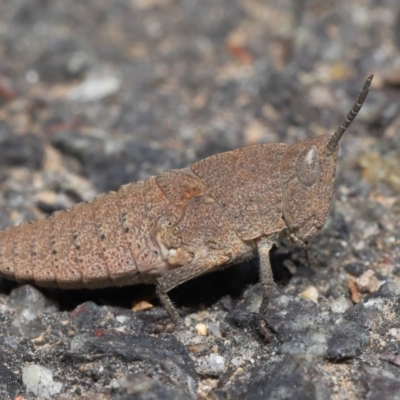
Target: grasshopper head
307 173
307 182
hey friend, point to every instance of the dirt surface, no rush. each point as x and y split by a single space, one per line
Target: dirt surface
97 94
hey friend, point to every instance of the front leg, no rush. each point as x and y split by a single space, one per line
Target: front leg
267 280
178 276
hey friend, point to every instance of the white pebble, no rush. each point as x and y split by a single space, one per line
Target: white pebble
39 380
237 361
96 87
341 304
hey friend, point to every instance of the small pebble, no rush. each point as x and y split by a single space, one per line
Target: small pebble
39 380
368 282
47 197
95 87
211 365
311 293
205 386
395 332
214 330
355 294
122 319
341 304
201 329
355 268
49 201
237 361
142 306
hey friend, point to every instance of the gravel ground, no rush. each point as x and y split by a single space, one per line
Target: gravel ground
97 94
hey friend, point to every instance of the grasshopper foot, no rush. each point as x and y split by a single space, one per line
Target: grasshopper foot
167 327
264 330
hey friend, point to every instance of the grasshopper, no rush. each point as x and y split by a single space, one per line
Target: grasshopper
183 223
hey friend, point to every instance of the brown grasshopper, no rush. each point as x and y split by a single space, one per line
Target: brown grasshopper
182 223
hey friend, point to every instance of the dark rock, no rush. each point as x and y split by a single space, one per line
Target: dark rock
168 353
341 227
357 313
241 315
382 384
296 321
364 254
293 378
87 316
348 340
63 60
79 146
388 289
10 383
299 327
355 268
26 151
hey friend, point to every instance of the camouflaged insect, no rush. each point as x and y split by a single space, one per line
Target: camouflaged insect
182 223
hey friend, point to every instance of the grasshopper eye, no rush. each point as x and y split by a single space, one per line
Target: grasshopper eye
308 166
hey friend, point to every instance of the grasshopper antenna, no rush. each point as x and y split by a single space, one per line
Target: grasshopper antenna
333 143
